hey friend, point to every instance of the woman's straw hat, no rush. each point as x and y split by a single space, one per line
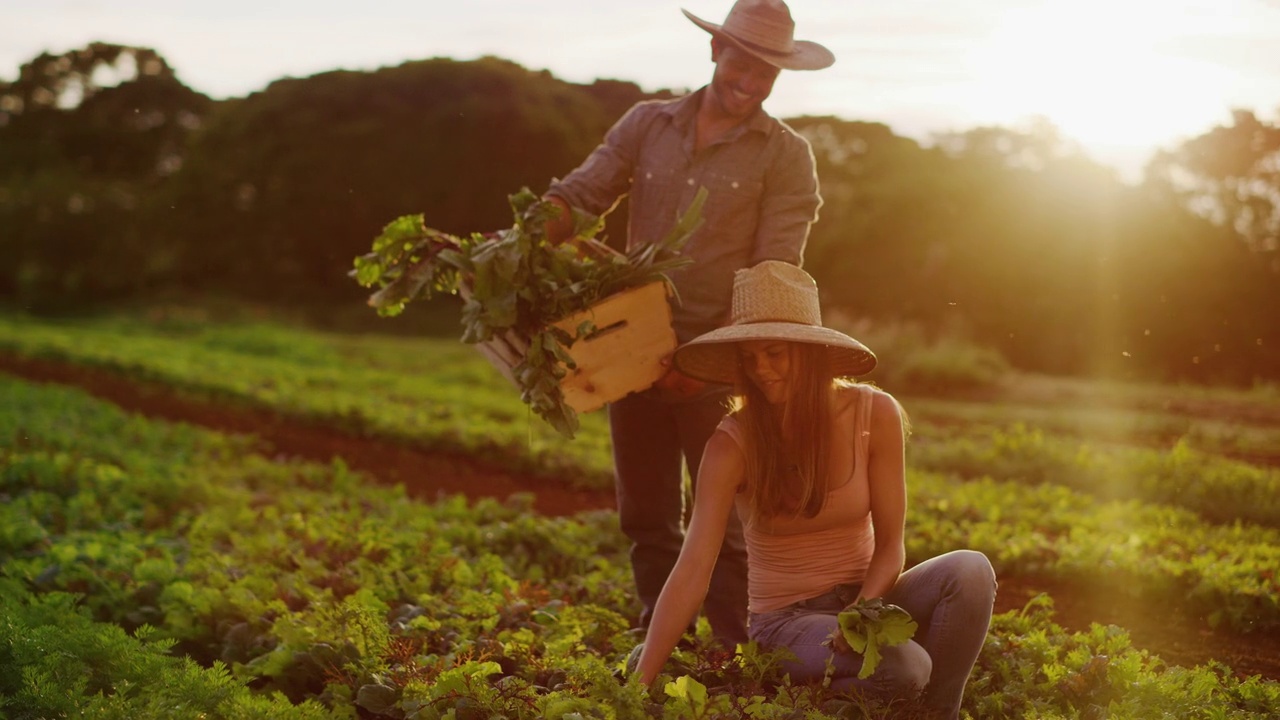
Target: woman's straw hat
765 29
774 300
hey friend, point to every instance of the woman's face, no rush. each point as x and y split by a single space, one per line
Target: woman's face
767 364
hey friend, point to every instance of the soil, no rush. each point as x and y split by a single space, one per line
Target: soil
1162 631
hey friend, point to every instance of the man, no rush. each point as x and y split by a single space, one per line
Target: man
763 196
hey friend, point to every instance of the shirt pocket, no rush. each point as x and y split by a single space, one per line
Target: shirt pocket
739 186
733 202
655 186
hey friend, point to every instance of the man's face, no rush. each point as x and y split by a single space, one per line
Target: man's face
741 81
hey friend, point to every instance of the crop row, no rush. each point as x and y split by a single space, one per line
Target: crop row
191 561
441 395
1222 421
1218 489
1106 517
431 394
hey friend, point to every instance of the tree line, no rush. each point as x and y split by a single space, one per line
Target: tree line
117 181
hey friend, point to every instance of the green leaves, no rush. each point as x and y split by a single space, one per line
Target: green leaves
690 696
516 283
405 264
350 592
869 623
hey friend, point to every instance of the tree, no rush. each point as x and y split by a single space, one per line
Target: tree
1230 175
1019 239
285 187
882 213
85 138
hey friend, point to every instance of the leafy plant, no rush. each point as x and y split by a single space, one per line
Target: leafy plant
867 624
284 589
516 283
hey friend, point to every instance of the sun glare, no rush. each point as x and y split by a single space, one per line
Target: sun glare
1099 71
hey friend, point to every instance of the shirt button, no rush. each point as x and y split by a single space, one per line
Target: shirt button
735 184
690 181
648 176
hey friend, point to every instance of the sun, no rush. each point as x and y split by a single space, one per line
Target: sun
1104 73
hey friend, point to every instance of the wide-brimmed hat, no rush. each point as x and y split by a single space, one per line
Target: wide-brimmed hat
774 300
764 28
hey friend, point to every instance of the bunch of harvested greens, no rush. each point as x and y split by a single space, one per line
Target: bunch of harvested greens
515 282
866 625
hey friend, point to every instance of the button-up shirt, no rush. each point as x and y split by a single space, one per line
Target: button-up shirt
762 197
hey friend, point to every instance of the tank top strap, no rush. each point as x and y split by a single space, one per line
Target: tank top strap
729 424
862 421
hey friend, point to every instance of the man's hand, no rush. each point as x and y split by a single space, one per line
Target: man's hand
675 385
559 228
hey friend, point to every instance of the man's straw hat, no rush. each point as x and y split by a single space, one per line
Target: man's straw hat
771 301
764 28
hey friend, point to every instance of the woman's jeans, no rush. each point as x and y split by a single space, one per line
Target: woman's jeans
950 597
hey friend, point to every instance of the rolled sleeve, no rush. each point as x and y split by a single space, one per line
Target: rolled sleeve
789 205
606 174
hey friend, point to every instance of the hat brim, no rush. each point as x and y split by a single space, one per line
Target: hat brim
805 55
713 357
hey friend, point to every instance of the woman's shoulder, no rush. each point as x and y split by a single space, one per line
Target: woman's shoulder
870 403
724 457
852 394
730 427
887 421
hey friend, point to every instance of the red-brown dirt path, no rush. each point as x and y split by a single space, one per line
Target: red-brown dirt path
1177 639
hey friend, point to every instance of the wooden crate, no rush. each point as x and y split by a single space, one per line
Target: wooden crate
633 334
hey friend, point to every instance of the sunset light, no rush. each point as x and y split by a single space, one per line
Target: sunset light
1109 76
1123 78
484 359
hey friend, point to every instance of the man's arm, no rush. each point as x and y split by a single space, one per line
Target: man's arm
789 205
605 175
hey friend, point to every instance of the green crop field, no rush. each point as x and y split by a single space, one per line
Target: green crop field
155 570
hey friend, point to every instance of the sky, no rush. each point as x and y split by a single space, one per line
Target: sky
1120 77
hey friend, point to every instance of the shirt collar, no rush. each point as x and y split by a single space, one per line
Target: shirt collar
683 111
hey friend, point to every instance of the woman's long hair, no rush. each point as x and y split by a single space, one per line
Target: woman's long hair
786 452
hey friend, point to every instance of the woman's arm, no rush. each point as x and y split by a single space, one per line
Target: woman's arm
719 476
886 474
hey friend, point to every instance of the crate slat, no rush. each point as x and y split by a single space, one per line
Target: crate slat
633 334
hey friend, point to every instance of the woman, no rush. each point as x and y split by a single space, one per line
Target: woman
814 463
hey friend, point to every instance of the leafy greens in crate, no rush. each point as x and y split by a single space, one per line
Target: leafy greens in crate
515 284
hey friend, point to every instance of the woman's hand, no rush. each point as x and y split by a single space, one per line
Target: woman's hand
633 660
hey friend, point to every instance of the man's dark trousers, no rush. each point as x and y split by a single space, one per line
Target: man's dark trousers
651 437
